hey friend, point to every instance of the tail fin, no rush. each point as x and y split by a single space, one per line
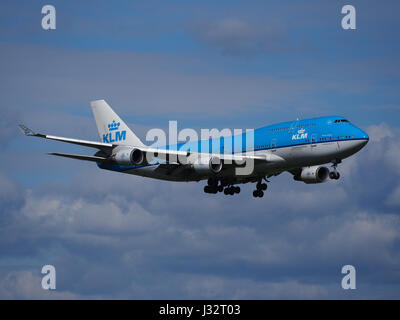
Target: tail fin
110 126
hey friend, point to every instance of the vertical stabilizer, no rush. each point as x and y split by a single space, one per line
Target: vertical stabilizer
110 126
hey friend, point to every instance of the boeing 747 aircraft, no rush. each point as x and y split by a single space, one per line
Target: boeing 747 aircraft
305 148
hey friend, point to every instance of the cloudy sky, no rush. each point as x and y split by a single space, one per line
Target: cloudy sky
223 64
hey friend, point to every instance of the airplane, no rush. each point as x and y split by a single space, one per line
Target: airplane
304 148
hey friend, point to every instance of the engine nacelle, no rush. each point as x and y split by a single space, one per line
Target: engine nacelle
129 156
206 166
314 174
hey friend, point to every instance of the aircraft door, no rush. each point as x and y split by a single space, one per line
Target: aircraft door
313 141
293 127
273 144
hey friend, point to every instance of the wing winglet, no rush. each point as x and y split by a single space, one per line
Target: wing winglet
26 131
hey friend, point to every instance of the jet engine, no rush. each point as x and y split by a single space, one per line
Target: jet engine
129 156
208 165
314 174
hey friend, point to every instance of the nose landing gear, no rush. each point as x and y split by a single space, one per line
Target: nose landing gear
335 175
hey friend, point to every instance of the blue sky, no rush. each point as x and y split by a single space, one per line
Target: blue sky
225 64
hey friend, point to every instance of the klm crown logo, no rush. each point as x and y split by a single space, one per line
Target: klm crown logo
113 126
114 134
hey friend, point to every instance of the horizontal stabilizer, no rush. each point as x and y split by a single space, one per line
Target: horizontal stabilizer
79 157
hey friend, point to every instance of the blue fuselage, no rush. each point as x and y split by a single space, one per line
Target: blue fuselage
299 143
281 135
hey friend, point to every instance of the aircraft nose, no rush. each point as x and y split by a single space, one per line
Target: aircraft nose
363 142
364 138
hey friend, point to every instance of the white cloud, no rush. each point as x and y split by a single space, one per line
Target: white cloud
112 215
379 132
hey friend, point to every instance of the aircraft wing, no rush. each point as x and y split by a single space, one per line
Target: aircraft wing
161 153
99 145
86 143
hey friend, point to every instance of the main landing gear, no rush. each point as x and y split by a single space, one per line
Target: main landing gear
260 188
335 175
213 187
231 190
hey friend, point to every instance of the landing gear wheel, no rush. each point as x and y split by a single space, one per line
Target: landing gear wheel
264 186
208 189
334 175
258 193
231 190
261 186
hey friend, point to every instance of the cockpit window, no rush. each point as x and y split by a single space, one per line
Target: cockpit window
341 120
